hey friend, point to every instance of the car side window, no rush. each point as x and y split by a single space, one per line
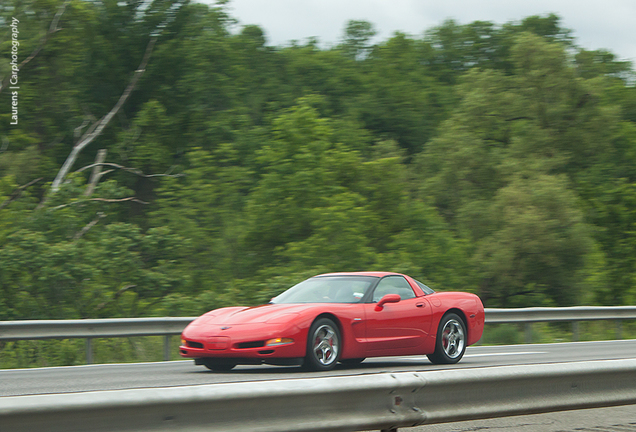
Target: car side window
424 288
393 285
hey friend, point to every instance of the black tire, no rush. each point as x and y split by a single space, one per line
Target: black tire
450 344
323 345
352 361
218 366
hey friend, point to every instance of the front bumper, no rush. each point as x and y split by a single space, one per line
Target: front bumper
241 342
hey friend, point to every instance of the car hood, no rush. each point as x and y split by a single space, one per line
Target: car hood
260 314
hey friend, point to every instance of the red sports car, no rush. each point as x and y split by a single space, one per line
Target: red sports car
338 317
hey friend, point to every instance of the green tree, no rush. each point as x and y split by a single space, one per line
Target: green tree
72 260
356 39
537 246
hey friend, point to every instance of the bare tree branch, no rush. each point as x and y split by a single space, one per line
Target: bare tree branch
114 200
96 174
131 170
78 130
90 225
16 193
115 297
98 127
110 200
52 29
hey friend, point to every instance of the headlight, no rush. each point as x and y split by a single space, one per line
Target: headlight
279 341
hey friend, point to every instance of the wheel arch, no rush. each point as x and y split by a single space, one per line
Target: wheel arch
460 313
333 318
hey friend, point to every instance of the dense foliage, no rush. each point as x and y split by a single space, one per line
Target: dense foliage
494 159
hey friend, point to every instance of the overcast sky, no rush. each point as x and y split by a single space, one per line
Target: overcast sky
608 24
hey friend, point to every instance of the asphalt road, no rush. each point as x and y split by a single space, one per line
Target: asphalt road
53 380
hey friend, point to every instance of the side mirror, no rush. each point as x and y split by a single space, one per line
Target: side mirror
389 298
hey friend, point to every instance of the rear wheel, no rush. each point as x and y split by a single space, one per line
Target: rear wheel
450 344
218 366
323 345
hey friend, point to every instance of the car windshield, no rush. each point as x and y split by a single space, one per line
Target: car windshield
327 289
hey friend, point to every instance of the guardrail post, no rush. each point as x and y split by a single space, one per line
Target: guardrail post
575 331
89 350
166 347
619 329
528 332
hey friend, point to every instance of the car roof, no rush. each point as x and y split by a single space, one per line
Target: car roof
365 273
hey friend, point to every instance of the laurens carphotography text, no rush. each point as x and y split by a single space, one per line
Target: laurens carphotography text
13 79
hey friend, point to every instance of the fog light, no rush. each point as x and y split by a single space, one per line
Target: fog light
279 341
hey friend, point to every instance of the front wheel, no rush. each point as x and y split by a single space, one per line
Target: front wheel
450 344
323 345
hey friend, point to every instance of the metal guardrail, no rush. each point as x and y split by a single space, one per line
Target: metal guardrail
351 403
528 316
168 326
95 328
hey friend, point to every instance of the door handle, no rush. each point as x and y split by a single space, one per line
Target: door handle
419 305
